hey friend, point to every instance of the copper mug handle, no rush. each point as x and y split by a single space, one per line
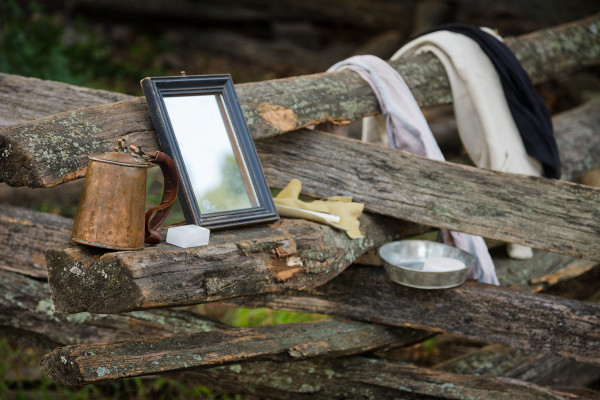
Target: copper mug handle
156 215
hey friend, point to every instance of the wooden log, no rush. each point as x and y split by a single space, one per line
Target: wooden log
24 99
82 364
539 273
268 53
27 313
530 366
493 314
287 254
582 287
26 309
578 145
361 378
134 266
26 235
50 151
542 213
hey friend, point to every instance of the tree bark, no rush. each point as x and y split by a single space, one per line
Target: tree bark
53 150
289 253
542 213
493 314
82 364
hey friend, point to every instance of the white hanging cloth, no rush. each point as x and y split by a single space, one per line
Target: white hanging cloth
406 129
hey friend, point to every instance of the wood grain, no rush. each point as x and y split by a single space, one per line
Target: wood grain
577 139
522 320
82 364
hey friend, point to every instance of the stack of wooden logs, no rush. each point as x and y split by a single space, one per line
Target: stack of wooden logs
107 297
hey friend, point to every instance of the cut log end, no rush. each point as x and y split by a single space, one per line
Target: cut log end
60 367
86 280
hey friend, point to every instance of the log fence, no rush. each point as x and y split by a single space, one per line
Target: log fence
108 315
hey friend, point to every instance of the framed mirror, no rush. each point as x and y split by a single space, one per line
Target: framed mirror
199 123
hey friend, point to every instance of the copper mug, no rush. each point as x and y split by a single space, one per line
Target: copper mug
113 199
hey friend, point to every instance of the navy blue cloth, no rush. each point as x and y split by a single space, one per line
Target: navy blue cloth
526 106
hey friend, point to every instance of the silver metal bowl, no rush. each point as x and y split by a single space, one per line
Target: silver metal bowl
404 260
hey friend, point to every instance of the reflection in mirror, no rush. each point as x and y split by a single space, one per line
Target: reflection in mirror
199 122
211 153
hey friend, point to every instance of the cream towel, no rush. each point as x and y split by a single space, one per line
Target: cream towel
483 118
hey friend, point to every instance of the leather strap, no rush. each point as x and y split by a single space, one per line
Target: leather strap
156 215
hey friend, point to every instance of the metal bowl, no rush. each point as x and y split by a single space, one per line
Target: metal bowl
404 261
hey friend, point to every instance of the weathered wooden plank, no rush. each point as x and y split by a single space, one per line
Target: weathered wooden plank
354 13
287 254
25 237
530 366
550 53
50 151
81 364
361 378
542 213
27 312
494 314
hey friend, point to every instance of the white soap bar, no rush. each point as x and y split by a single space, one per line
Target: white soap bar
188 236
442 264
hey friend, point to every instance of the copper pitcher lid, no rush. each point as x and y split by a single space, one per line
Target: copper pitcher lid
131 156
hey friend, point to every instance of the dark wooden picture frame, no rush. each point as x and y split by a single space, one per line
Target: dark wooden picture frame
159 90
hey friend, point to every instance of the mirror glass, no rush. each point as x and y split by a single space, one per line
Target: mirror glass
199 122
211 153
